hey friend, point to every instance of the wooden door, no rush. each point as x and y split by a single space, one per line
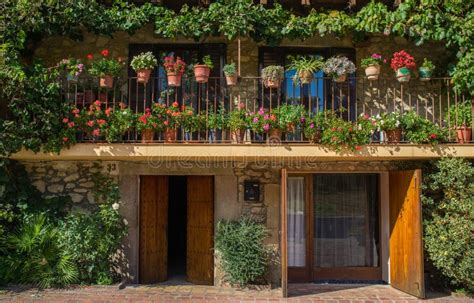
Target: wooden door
153 243
200 230
406 246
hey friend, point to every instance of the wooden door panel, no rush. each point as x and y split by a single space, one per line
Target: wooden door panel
406 247
200 230
153 245
284 232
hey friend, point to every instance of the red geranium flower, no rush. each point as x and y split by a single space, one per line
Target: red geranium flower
90 123
97 103
108 111
175 104
71 124
105 52
96 132
90 56
433 136
65 120
101 121
358 147
65 139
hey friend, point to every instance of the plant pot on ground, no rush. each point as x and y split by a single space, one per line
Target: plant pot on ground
203 71
170 135
147 135
231 75
105 68
174 70
272 76
459 118
394 135
402 62
338 67
304 68
143 64
425 71
391 124
372 66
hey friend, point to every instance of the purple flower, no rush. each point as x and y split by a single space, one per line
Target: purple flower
261 111
376 56
266 127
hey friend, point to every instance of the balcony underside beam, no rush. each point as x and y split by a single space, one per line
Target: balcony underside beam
247 152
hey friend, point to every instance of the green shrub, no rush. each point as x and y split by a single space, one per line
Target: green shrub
34 255
93 239
239 244
448 200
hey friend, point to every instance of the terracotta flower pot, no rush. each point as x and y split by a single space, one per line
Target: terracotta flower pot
403 74
394 135
170 135
274 134
107 81
143 75
464 134
147 135
372 72
237 136
305 77
201 73
341 78
174 79
269 83
316 138
231 80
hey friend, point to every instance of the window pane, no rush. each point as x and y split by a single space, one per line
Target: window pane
296 222
346 220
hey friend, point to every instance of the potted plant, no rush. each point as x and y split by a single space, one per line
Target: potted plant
338 67
313 127
391 125
426 70
216 120
202 71
106 69
189 122
372 66
287 118
305 68
402 62
93 121
143 64
272 76
459 118
120 120
172 122
238 123
259 122
73 68
230 72
174 70
419 130
147 124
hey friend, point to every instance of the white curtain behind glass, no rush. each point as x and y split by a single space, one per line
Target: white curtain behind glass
296 222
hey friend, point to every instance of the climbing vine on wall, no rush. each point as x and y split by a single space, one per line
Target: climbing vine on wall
27 22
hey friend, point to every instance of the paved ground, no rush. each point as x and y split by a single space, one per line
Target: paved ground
191 293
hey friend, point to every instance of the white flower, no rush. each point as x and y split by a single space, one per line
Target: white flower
359 127
115 206
125 221
397 124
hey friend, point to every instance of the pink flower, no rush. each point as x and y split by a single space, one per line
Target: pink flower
90 123
175 104
266 117
261 111
108 111
255 120
302 119
266 127
166 122
76 111
90 56
65 139
71 124
65 120
101 121
241 105
311 125
97 103
96 132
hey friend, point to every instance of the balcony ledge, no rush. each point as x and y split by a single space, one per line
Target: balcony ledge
246 152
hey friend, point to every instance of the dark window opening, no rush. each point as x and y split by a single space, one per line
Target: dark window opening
177 227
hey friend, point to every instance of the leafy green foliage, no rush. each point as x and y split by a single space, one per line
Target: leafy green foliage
419 130
35 256
239 244
448 201
459 115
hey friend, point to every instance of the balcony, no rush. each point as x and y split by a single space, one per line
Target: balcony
347 100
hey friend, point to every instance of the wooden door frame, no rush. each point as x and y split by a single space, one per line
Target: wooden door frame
364 273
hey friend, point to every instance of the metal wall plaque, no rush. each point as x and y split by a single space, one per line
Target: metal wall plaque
252 191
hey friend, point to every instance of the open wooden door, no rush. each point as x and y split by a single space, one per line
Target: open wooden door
406 245
153 245
284 233
200 230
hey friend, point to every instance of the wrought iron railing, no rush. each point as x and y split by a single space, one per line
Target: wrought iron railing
349 99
